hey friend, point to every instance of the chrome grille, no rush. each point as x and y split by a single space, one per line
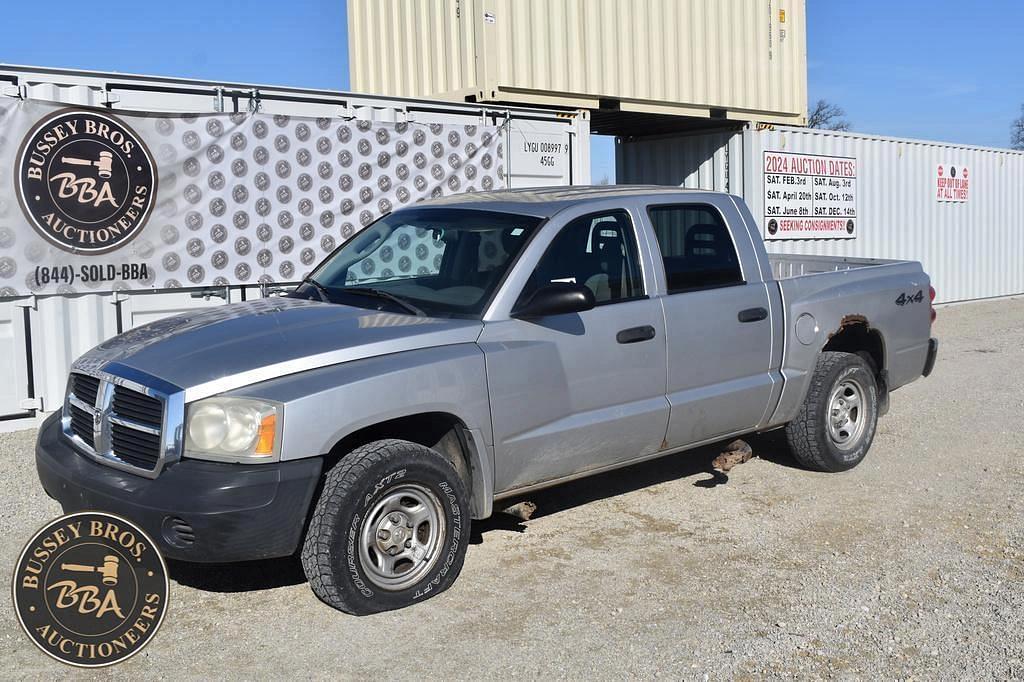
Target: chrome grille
135 447
85 387
135 423
81 425
137 406
116 422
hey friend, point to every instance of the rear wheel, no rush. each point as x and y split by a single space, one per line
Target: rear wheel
836 423
391 528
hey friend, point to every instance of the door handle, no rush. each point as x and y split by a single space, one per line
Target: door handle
753 315
635 334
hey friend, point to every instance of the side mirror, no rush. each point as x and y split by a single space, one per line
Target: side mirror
559 298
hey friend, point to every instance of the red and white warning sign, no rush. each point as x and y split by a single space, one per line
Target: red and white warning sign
952 182
807 196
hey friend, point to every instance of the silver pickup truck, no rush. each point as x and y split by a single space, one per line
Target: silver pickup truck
469 350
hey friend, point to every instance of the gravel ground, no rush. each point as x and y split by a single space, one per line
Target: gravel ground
911 565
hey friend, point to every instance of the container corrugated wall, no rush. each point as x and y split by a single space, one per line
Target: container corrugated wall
745 57
697 161
972 250
397 46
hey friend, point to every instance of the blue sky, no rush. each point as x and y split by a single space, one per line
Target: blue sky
933 69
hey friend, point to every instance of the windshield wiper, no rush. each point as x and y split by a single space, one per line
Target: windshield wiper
387 296
321 290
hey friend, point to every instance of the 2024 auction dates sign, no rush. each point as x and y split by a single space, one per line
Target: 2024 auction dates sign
809 197
91 200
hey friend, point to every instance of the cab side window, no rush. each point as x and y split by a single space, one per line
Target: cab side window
598 251
696 247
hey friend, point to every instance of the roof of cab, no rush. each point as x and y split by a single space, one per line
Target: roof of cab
546 201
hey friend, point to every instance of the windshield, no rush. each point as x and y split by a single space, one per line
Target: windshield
430 261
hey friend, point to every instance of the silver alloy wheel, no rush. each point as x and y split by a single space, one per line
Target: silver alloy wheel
847 417
401 538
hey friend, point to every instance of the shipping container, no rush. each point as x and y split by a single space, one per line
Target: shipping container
956 208
634 63
41 335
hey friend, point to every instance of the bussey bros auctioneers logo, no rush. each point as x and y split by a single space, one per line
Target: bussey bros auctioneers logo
90 589
86 181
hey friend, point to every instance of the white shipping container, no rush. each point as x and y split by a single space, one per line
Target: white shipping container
41 336
735 59
971 241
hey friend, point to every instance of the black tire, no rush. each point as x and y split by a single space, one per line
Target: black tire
809 434
333 553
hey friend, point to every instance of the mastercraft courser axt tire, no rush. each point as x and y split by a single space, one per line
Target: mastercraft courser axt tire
390 529
836 424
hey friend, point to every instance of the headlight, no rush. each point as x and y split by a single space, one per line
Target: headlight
233 430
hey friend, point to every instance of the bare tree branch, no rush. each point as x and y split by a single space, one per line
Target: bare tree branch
1017 131
827 116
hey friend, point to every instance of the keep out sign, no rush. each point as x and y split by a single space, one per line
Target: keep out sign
952 183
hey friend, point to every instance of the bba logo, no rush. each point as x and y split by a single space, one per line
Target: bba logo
85 181
90 589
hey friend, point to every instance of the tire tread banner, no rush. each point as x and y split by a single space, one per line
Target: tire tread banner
95 200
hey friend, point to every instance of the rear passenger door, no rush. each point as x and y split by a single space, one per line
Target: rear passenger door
717 324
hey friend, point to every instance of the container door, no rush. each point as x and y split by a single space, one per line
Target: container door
540 154
13 361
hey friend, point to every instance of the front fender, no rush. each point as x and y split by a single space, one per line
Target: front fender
324 405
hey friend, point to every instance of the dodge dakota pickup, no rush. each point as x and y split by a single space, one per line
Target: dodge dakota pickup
468 350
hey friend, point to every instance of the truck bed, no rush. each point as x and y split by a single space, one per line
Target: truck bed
787 266
889 296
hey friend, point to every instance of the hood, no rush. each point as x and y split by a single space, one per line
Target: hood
223 348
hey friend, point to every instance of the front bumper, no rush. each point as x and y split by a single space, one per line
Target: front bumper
933 351
194 510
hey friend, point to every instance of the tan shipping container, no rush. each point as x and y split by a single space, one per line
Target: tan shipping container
633 62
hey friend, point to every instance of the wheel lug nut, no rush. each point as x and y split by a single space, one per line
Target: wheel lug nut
408 543
395 518
383 534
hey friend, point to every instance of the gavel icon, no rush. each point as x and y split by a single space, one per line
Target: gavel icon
108 570
105 163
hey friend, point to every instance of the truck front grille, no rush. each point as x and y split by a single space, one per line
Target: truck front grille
135 447
138 406
136 427
81 425
85 387
129 428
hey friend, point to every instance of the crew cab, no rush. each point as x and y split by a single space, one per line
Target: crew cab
468 350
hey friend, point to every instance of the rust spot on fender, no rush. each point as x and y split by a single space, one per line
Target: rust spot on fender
849 321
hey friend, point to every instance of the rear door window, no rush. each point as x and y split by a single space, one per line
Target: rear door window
696 247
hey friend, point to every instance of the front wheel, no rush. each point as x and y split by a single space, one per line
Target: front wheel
391 528
836 423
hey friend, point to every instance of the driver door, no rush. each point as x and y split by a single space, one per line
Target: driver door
580 391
